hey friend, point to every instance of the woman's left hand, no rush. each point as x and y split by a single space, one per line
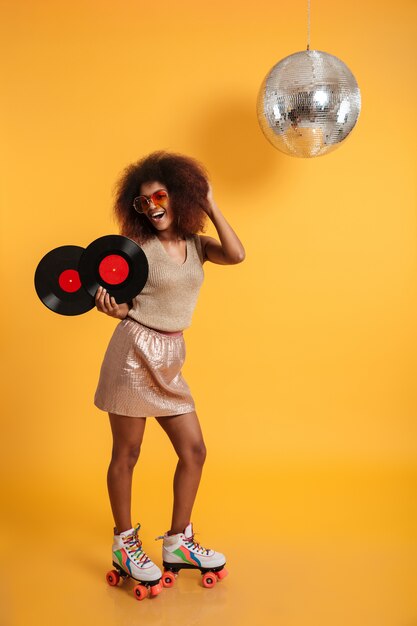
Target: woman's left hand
210 200
210 193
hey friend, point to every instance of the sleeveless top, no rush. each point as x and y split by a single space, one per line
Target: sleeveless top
168 299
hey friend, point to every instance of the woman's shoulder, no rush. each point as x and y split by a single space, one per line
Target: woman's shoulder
199 246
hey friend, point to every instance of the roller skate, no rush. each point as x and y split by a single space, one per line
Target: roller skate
130 561
180 551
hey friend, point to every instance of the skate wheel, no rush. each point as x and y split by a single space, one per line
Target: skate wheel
209 579
140 592
168 579
113 577
221 574
155 589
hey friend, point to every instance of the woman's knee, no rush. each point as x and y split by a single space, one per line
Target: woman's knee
125 456
127 439
195 453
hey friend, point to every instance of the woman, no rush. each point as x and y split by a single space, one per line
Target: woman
162 201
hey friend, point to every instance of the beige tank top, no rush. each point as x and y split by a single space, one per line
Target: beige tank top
168 300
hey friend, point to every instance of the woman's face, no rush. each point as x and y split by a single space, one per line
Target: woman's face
166 218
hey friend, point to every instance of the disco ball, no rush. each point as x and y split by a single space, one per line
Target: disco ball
308 103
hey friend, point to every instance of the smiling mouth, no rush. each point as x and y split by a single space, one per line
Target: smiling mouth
158 215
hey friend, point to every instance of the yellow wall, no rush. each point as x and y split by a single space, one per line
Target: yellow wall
302 360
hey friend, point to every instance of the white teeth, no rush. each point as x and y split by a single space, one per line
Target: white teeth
159 214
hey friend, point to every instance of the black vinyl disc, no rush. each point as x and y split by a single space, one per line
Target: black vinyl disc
58 283
116 263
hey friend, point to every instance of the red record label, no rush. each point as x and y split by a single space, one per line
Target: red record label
113 269
69 281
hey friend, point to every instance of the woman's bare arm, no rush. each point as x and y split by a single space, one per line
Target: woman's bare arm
229 250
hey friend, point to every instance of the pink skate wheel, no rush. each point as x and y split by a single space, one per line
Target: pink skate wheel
113 577
221 574
168 579
155 589
209 580
140 592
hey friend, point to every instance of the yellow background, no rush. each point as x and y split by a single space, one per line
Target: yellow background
302 360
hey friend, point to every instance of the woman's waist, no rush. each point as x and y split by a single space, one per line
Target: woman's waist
172 333
175 333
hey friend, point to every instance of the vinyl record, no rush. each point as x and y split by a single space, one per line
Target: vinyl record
58 283
116 263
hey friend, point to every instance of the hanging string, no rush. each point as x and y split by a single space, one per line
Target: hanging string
308 24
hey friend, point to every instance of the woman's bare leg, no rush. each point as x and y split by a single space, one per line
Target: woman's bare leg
127 440
185 434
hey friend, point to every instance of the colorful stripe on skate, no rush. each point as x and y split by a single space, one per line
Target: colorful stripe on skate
123 560
186 555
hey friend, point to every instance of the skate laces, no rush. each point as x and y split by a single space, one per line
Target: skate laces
194 545
190 543
134 545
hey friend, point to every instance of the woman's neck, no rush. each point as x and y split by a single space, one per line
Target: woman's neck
170 237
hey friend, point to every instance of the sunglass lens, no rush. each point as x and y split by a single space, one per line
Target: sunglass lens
144 203
160 198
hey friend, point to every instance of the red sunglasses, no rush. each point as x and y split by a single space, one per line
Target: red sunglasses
159 198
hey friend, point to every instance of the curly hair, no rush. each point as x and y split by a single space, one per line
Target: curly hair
186 182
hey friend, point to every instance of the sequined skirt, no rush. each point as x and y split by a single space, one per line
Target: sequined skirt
141 373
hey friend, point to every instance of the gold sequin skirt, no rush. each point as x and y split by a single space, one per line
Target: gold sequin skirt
141 373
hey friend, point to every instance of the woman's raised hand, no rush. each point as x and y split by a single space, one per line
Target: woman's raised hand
107 304
210 193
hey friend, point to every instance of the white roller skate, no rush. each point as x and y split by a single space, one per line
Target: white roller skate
180 551
130 560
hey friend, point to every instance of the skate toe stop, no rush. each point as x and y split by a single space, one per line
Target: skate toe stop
222 574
